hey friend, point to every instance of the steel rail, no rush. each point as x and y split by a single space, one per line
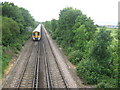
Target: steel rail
34 79
37 74
38 66
21 77
35 83
36 71
12 70
48 75
64 81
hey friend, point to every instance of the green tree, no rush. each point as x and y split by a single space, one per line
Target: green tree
12 11
20 15
101 51
10 30
54 24
89 25
80 38
48 26
66 22
84 30
28 19
54 28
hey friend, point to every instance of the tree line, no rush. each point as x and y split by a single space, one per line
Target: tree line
90 49
15 23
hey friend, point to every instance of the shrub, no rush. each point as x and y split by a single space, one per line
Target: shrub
75 56
89 70
102 85
17 46
107 82
5 62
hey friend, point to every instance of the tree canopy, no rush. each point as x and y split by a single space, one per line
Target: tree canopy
18 14
92 50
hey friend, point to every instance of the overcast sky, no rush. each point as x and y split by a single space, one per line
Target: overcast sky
101 11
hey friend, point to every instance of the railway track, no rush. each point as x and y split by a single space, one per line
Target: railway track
39 70
48 75
13 78
51 82
30 76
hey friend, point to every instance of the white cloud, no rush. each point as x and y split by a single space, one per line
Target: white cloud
98 10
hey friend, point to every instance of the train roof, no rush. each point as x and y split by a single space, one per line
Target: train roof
38 28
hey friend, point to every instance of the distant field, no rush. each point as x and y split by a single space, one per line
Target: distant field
114 32
111 29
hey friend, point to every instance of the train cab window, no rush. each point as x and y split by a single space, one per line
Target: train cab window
38 33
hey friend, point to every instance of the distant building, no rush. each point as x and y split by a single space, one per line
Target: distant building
109 26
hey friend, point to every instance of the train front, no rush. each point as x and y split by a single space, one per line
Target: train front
36 34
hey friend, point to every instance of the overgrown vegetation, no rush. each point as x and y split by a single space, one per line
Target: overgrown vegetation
93 51
0 47
15 24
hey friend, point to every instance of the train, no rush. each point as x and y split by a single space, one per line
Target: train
36 34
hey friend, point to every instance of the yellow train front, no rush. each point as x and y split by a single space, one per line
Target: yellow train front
36 34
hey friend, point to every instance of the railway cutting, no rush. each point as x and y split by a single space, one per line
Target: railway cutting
37 66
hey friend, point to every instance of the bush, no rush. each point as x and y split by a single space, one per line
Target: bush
10 31
5 62
88 48
107 82
75 56
103 85
15 47
94 73
18 46
89 70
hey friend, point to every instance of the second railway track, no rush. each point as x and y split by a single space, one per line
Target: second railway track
56 78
